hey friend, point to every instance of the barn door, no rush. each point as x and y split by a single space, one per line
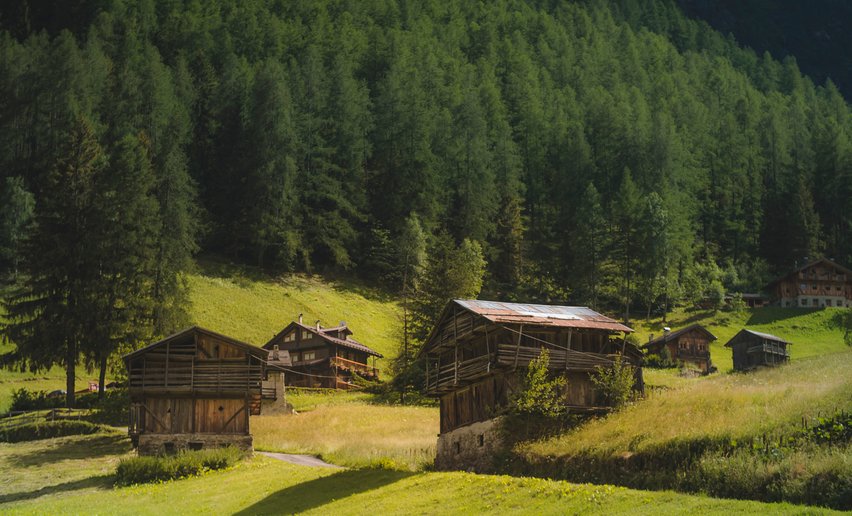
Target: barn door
221 416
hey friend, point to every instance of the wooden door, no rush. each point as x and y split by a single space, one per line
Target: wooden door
221 416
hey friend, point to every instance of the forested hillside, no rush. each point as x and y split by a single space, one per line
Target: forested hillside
594 159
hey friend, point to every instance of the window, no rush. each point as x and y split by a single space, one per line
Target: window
803 302
307 335
290 337
294 357
309 355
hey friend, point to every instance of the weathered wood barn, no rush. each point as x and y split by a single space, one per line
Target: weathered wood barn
752 349
324 357
817 284
689 345
194 389
478 350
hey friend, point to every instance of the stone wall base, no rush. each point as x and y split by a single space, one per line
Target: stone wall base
162 444
470 448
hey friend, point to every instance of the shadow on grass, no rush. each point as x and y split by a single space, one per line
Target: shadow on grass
95 446
318 492
101 482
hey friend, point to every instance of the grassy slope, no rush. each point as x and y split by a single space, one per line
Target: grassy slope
812 331
52 477
733 406
253 308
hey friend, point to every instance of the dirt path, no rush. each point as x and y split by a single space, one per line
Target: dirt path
301 460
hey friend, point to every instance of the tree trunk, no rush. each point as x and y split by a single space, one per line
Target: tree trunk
70 372
102 376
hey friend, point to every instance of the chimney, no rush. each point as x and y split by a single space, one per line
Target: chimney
275 352
342 323
300 318
318 326
650 337
667 330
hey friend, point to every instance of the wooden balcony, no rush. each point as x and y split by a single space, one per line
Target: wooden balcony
354 367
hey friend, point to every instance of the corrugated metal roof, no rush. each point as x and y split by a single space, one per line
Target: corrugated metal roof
542 315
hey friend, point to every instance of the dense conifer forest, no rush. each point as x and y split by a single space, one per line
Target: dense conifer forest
615 154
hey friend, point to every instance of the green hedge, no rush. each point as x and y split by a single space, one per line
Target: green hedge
46 430
140 470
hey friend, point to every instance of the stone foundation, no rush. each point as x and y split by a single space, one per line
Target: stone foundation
163 444
469 448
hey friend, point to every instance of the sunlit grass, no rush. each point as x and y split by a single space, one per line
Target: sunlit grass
266 486
731 406
812 331
354 434
254 308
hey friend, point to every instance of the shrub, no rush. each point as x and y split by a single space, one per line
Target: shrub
614 383
46 430
23 399
539 394
141 470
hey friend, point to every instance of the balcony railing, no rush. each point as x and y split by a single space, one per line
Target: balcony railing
355 367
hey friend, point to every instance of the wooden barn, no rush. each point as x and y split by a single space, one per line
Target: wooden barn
820 283
324 357
753 349
689 345
192 390
478 350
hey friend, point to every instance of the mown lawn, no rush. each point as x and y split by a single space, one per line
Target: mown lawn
812 331
265 486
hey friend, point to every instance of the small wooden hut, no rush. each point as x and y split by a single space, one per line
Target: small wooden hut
689 345
478 350
324 357
753 349
192 390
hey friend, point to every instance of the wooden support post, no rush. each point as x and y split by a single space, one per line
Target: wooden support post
455 346
518 347
487 350
168 348
568 350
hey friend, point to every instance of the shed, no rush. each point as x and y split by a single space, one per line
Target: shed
688 345
753 349
478 350
192 390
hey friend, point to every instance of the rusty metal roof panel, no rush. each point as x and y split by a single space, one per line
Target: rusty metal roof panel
542 315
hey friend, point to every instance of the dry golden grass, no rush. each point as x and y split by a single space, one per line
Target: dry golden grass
731 406
354 434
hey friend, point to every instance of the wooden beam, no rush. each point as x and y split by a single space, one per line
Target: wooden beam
518 347
228 422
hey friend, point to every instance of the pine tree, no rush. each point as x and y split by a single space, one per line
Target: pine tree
51 313
16 211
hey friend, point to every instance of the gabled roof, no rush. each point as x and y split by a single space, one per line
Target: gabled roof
324 334
249 348
532 315
541 315
809 265
766 336
673 335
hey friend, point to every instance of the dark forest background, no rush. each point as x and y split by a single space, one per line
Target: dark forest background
614 154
